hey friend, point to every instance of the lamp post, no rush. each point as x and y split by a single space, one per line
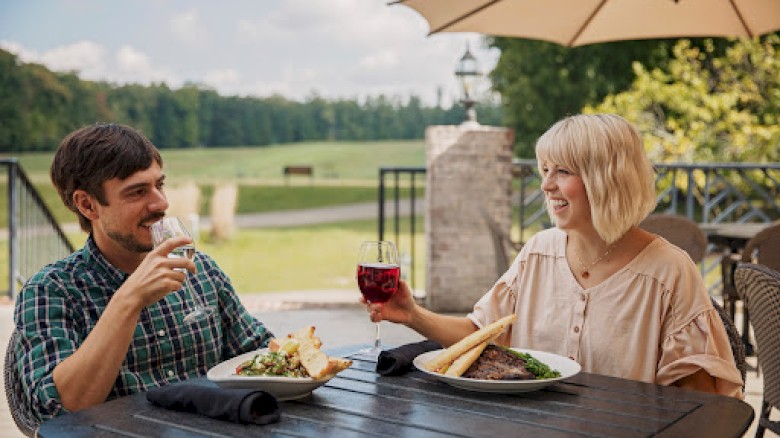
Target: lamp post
467 73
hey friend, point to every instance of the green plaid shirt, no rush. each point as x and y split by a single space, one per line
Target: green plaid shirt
61 304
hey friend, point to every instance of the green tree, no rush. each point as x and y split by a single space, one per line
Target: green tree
541 82
707 106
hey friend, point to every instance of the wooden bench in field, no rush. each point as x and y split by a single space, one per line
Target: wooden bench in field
299 169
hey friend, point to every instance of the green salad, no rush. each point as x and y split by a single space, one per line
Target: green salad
273 364
534 365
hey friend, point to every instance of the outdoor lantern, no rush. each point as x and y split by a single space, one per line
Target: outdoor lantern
467 73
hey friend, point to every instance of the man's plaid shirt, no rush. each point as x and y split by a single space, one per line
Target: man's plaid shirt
59 306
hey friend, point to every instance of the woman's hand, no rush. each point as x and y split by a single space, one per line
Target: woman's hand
399 308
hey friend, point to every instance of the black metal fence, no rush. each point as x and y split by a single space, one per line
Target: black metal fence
407 177
34 237
705 193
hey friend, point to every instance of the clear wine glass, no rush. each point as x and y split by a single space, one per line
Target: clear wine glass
165 229
378 272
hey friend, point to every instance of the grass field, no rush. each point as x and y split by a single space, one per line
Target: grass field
344 173
279 259
336 163
286 259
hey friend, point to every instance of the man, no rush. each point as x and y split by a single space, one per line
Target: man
107 320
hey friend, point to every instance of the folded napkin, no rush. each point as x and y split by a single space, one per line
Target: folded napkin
237 405
399 360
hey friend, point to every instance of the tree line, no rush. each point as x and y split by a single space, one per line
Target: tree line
38 107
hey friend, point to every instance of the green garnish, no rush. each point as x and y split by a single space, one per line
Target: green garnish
534 365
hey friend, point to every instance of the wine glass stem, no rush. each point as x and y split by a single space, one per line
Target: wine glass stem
191 293
377 340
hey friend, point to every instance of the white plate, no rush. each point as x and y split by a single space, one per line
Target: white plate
564 365
283 388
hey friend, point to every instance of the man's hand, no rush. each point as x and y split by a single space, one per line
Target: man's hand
157 276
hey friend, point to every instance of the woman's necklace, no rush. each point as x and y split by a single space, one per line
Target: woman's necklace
586 269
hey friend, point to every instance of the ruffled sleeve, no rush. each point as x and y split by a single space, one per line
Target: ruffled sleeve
700 344
499 300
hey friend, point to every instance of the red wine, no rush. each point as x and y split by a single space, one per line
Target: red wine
378 281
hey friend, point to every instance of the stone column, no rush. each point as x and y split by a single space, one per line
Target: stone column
469 171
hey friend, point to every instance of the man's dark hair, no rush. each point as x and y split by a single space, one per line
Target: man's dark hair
89 156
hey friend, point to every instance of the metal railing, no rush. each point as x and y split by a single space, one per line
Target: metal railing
406 250
705 193
35 238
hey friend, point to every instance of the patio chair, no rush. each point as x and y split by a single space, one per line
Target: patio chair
737 346
764 249
680 231
18 404
504 247
759 287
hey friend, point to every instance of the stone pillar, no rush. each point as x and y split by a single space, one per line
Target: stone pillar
469 170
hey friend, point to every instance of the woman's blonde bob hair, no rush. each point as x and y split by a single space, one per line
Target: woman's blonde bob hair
606 151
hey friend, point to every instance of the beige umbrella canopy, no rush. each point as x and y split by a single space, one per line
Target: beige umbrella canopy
579 22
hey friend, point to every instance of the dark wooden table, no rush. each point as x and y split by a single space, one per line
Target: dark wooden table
733 237
359 402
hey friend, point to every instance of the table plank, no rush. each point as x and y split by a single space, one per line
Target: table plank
598 412
359 402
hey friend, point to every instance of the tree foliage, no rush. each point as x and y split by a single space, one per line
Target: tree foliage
706 105
541 82
39 107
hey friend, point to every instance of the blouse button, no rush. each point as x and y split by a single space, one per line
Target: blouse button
583 297
170 373
576 329
161 333
571 357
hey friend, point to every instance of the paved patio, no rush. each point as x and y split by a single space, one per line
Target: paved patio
340 321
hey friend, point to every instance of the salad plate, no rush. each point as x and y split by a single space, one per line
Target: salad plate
283 388
564 365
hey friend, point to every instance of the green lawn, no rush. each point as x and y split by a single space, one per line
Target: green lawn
278 259
287 259
344 173
334 163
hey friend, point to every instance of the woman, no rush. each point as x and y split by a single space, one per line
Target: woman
596 288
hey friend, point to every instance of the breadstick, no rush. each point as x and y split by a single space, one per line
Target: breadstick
457 349
464 361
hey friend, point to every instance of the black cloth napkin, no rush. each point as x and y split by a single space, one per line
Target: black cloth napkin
399 360
237 405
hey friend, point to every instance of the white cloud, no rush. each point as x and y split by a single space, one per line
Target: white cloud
187 26
132 61
383 59
87 57
135 66
335 48
223 78
24 54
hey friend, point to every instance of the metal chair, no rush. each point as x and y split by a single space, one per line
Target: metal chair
680 231
759 287
18 404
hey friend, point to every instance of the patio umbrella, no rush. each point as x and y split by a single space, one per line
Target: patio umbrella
579 22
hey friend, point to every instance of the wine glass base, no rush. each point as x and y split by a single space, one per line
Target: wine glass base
199 313
372 352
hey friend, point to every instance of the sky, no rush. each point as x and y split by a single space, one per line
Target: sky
295 48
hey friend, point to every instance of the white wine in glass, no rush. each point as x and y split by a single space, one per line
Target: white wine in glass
378 272
169 227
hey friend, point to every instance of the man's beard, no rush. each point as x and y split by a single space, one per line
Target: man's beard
129 242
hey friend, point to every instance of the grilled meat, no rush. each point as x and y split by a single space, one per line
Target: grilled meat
497 364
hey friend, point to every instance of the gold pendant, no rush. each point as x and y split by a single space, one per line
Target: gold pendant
585 274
